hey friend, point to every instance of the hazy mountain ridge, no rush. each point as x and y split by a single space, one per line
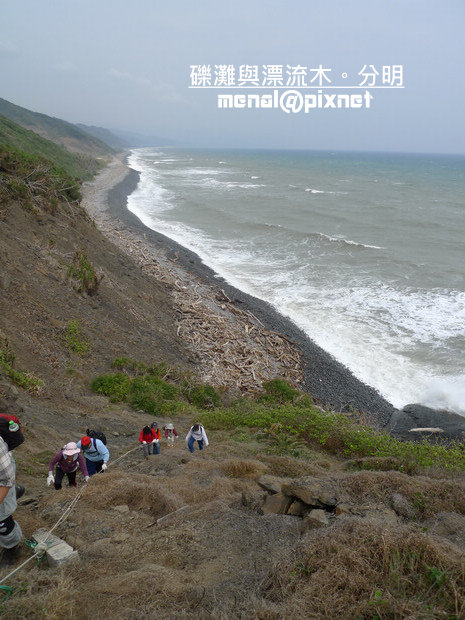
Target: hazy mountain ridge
105 135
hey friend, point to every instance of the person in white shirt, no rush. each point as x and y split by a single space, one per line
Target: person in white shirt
196 434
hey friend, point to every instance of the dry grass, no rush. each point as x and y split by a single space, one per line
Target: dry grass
428 496
360 570
139 492
290 467
238 468
203 562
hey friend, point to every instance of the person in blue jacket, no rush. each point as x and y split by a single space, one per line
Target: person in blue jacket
96 453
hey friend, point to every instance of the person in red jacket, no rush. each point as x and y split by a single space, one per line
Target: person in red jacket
148 439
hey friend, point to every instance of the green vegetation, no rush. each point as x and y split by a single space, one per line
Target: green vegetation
151 394
54 129
21 378
278 390
35 182
138 368
115 386
15 137
154 389
335 432
289 428
202 396
74 339
82 271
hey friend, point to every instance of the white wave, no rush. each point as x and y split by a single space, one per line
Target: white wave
228 184
321 191
446 393
149 196
254 177
221 162
201 171
349 242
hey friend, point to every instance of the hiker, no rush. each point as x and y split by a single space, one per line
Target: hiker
196 433
67 461
147 438
96 453
10 530
170 434
157 435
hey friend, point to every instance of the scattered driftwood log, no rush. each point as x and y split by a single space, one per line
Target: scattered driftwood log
232 346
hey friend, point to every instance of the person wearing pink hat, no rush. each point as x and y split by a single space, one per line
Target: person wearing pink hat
67 461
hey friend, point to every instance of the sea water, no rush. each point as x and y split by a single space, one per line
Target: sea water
363 251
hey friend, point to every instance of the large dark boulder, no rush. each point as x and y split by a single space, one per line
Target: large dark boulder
419 416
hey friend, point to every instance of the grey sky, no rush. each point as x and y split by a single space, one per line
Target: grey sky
125 64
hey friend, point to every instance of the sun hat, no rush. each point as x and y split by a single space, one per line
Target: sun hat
70 449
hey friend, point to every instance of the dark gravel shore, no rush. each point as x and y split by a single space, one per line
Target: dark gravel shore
326 379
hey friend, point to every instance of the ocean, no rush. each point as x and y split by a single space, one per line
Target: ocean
363 251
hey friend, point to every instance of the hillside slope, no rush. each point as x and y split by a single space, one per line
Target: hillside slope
45 234
202 535
61 132
76 164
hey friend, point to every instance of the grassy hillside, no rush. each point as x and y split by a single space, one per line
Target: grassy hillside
15 136
61 132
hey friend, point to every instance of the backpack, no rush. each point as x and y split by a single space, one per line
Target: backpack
97 435
10 431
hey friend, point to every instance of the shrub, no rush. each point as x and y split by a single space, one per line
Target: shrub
149 393
21 378
73 339
82 271
280 391
115 386
202 396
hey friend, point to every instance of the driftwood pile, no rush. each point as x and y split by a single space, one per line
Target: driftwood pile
232 346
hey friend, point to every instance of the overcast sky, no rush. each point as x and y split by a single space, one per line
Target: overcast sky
121 64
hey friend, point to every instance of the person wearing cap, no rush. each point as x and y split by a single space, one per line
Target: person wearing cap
157 437
10 531
96 454
196 433
67 461
170 433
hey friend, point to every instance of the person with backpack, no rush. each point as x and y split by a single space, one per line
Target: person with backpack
67 461
11 437
170 434
196 433
147 438
96 454
157 435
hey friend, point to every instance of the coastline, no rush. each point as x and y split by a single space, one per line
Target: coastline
327 380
